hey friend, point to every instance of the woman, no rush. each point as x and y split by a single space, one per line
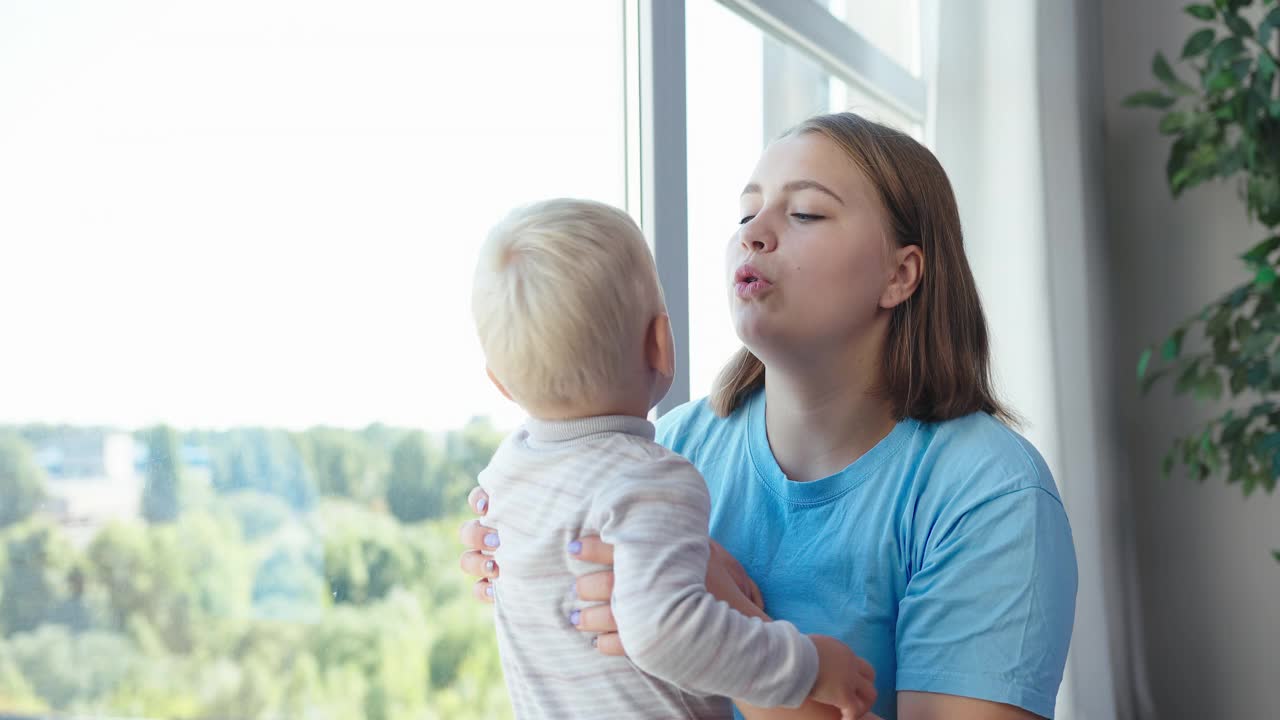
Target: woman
861 469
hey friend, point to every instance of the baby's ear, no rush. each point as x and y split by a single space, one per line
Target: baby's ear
494 379
660 346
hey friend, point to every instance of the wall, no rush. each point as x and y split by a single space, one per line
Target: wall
1208 590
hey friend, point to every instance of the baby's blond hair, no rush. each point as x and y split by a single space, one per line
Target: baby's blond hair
563 295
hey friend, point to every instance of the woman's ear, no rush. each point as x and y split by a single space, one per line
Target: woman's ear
907 271
494 379
660 346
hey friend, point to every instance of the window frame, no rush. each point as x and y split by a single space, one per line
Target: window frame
657 121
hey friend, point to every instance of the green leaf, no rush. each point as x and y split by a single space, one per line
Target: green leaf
1226 50
1203 12
1253 346
1269 23
1209 387
1257 372
1152 378
1143 361
1258 254
1276 554
1221 80
1239 25
1189 378
1175 169
1160 67
1265 277
1232 431
1173 345
1149 98
1266 69
1200 41
1240 69
1274 108
1172 123
1243 328
1238 381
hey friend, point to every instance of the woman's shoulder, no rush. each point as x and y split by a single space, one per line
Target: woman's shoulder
687 427
980 457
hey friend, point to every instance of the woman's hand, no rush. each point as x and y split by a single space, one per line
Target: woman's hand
726 579
478 538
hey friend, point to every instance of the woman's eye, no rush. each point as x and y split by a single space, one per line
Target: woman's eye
746 219
806 217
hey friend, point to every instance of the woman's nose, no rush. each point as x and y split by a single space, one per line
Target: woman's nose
757 237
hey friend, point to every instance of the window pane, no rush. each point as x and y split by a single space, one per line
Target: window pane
256 223
744 89
894 27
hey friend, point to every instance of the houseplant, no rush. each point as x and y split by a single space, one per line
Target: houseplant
1225 125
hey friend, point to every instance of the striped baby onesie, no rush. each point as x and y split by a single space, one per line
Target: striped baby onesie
553 481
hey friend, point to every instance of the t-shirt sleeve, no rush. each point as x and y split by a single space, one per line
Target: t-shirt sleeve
988 614
671 626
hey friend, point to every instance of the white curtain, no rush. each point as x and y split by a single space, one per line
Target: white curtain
1016 118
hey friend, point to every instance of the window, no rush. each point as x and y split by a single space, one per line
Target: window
244 401
256 223
745 88
892 27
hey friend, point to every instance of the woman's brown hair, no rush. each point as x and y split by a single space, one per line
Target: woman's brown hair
937 355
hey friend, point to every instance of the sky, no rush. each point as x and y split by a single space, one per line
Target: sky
267 213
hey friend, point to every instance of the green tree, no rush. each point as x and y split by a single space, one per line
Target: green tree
415 490
268 461
366 554
38 561
467 452
22 481
343 463
174 577
161 496
68 669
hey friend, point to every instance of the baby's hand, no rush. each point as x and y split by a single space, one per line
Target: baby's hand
844 679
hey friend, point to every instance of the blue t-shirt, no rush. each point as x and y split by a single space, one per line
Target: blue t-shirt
942 556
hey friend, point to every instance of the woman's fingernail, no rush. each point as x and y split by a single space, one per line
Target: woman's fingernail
482 504
575 547
491 540
490 566
574 617
489 591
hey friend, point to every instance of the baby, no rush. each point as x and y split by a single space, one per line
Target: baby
574 328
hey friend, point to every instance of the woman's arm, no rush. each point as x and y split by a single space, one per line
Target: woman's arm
936 706
727 580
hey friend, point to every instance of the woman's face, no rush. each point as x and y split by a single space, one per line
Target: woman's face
810 262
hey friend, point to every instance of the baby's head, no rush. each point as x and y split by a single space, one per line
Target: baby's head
570 313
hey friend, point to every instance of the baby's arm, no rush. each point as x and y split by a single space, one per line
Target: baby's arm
674 629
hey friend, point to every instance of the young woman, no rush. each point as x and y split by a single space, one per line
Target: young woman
861 470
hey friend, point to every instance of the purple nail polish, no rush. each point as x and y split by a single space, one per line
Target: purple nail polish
575 547
482 504
491 540
490 566
574 617
489 591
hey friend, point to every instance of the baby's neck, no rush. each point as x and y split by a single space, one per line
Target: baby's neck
635 407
